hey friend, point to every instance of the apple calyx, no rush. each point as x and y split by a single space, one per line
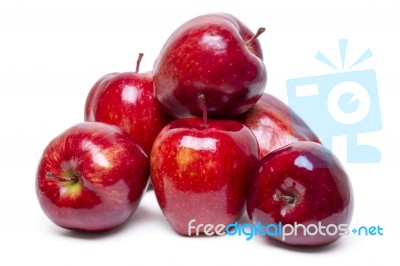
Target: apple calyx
138 62
202 98
255 36
287 199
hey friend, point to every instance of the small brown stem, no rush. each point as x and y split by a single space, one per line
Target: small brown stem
138 62
59 179
204 108
289 199
258 33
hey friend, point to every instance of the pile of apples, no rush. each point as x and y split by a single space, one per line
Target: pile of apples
202 129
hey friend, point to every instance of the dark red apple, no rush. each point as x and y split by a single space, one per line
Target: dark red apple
301 186
215 55
127 101
91 177
275 124
201 170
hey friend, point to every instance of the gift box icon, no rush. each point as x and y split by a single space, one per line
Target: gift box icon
343 103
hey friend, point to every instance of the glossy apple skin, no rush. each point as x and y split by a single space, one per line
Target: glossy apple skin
127 101
202 172
275 124
112 172
311 174
208 55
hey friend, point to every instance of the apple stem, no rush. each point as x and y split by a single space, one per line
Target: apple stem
64 179
289 199
204 108
138 62
258 33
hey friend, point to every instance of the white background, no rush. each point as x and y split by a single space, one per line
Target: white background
51 53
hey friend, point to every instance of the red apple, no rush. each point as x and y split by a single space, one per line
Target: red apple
127 101
301 186
91 177
275 125
201 170
215 55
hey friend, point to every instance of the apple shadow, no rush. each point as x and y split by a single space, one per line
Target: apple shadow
145 215
87 235
244 219
141 215
303 249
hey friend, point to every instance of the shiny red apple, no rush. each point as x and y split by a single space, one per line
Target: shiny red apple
215 55
201 170
91 177
302 195
127 101
275 124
